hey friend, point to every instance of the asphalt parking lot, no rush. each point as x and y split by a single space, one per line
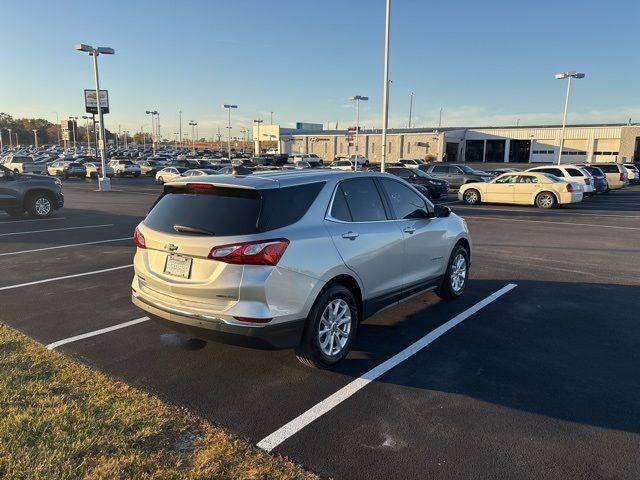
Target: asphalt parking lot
540 381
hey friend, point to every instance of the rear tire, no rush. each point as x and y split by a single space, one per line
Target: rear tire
330 329
546 200
39 205
455 278
471 196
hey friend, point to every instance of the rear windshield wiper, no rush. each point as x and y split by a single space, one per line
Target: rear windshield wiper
188 229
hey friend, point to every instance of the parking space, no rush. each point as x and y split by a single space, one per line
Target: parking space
537 382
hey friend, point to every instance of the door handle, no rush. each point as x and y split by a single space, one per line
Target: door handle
350 235
410 230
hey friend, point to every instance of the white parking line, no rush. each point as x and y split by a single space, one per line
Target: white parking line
276 438
53 345
56 229
553 223
46 280
34 220
65 246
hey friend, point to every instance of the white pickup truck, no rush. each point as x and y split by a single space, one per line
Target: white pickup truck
24 164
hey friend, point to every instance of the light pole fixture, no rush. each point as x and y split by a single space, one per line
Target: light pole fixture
258 122
73 126
104 184
411 95
229 107
357 99
87 118
193 136
385 86
569 76
153 129
35 134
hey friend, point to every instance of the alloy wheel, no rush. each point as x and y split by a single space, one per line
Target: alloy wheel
42 206
458 273
334 327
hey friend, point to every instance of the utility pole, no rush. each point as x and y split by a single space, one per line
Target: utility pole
385 95
73 126
180 129
410 106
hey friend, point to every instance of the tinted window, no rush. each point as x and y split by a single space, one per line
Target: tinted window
231 211
400 172
363 200
574 173
609 168
339 209
440 169
507 179
404 201
553 171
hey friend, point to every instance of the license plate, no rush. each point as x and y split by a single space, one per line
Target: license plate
178 266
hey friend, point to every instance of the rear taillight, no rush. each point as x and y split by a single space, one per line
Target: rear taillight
262 252
205 186
569 188
622 177
138 239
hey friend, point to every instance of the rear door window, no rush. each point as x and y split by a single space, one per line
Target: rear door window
363 200
440 169
574 172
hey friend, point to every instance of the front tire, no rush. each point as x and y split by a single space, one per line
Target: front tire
40 205
161 180
471 196
546 200
330 329
455 278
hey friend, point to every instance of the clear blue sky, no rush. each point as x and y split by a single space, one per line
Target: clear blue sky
486 62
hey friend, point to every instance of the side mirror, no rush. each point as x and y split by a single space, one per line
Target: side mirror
442 211
413 176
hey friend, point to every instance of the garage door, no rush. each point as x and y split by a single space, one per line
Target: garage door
606 150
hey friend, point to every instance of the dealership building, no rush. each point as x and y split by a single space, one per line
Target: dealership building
530 144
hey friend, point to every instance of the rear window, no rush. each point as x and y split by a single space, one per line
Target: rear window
574 173
609 168
231 211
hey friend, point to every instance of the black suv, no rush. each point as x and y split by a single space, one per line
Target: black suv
435 188
36 194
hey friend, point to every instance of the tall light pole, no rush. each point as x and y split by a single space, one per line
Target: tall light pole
180 122
562 76
258 122
385 95
357 99
229 107
104 183
144 140
410 106
73 126
1 144
17 142
10 139
35 134
271 121
87 118
440 119
193 137
153 129
58 127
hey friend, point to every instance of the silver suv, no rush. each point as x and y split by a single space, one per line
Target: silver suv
293 259
457 174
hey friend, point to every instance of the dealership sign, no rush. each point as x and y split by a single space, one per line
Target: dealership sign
90 103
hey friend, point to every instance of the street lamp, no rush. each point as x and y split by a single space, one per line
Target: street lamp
153 129
258 122
357 99
104 184
193 137
385 95
562 76
229 107
10 139
87 118
73 126
35 134
126 139
410 106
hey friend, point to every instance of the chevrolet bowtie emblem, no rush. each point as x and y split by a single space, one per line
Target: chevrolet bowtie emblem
171 247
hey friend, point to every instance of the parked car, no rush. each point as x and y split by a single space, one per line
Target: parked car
23 164
633 172
150 167
455 174
341 165
412 162
125 167
291 259
305 157
569 173
36 194
500 171
200 172
358 160
94 170
599 178
524 188
616 175
435 188
169 174
67 169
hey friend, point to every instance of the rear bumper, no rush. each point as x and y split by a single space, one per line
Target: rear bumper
278 336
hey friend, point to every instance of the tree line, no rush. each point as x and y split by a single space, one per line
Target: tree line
22 129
